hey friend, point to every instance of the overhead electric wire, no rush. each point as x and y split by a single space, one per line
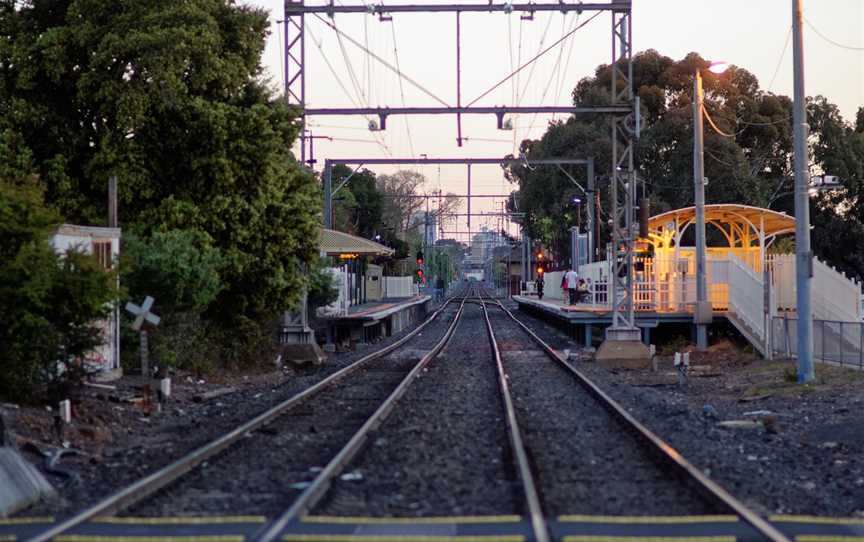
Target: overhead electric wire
831 41
384 62
333 71
780 62
716 129
556 69
401 86
534 65
523 66
566 68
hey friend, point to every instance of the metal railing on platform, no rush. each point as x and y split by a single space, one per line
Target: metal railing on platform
836 342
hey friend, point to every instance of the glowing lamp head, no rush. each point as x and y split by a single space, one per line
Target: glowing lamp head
718 66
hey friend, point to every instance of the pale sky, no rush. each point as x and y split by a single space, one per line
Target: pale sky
748 33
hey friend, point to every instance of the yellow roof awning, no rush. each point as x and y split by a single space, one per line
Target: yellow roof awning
334 243
771 222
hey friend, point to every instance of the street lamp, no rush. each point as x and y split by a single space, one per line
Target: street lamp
702 315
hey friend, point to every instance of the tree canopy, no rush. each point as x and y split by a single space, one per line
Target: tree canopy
169 97
748 158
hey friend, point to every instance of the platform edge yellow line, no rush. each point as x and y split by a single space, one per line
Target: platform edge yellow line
817 519
618 538
665 520
112 538
399 538
415 521
178 520
26 521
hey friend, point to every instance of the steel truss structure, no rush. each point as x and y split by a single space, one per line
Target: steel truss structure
621 108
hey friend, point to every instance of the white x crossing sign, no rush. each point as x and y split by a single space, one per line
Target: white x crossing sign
142 313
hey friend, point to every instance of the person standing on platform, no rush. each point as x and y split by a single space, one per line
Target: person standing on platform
572 279
539 283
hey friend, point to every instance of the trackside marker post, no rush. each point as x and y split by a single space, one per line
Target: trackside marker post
142 315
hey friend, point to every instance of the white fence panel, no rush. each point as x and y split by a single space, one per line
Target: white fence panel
340 282
552 285
746 296
835 296
399 287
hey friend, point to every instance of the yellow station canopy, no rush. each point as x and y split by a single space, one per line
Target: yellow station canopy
769 222
344 245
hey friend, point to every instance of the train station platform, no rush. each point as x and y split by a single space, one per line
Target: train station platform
584 320
373 320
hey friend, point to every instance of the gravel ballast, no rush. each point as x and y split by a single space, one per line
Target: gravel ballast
263 474
444 450
585 459
807 458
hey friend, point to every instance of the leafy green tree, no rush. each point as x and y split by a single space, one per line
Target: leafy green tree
749 162
167 96
179 268
49 303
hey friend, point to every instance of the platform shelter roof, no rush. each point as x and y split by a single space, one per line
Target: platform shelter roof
338 243
765 221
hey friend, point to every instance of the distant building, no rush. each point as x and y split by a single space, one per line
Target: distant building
104 243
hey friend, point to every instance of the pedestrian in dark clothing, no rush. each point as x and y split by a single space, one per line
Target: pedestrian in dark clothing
540 283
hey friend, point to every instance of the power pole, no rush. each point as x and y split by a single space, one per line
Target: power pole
803 256
702 313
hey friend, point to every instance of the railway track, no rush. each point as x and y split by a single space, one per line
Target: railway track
540 377
548 448
381 370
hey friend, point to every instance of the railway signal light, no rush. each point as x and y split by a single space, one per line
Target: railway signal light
419 257
540 270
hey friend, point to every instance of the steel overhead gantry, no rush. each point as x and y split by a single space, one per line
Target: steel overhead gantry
330 162
526 241
622 108
295 57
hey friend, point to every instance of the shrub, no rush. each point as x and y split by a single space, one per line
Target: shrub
48 302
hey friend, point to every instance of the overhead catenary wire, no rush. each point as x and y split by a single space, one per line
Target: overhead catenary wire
318 45
530 77
401 86
780 62
537 56
556 69
392 68
831 41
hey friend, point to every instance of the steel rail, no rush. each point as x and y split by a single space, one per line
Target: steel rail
532 498
151 483
666 451
318 488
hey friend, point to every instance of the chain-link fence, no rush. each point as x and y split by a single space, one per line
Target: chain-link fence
833 341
